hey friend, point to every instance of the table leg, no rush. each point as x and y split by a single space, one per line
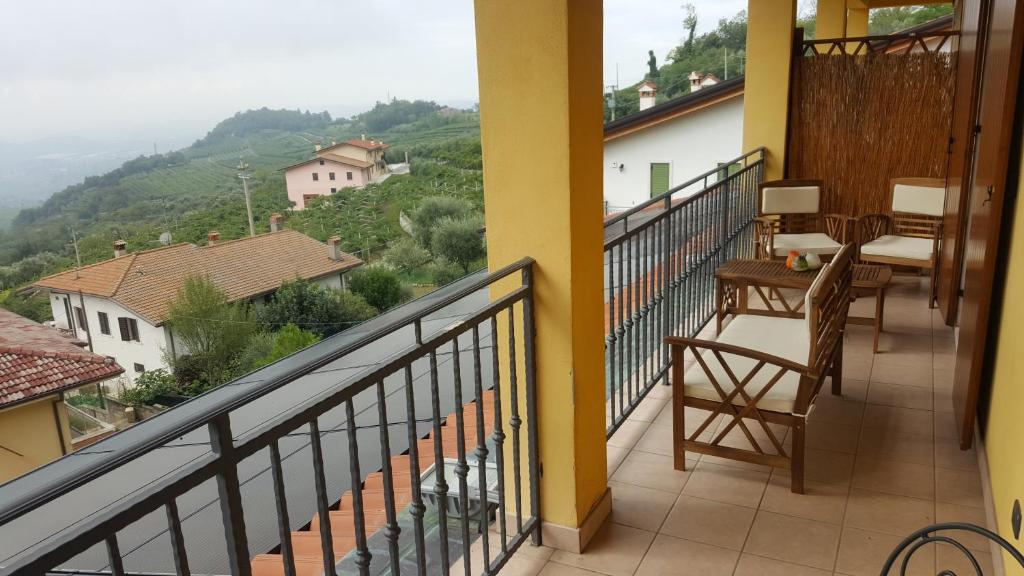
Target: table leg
879 313
719 305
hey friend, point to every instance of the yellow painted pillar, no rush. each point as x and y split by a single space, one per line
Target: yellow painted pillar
540 74
857 21
766 92
830 19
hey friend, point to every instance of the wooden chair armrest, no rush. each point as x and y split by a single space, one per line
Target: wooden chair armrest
674 341
837 227
871 226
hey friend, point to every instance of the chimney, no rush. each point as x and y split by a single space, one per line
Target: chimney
317 146
120 248
334 142
213 237
695 81
334 248
362 136
648 94
276 222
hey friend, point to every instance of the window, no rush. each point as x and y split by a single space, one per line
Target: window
333 190
659 178
316 177
321 162
348 175
139 368
104 323
80 319
129 328
331 175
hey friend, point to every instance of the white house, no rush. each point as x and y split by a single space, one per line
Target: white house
350 164
663 146
121 306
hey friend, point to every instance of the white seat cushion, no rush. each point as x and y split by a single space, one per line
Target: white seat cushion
899 247
784 337
811 242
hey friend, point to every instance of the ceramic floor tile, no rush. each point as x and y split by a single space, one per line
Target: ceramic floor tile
897 515
820 501
899 420
892 477
639 507
945 426
615 457
948 558
615 550
863 553
652 471
949 455
726 484
795 540
907 375
837 409
628 433
709 522
670 556
945 512
751 565
900 396
824 466
884 444
961 487
556 569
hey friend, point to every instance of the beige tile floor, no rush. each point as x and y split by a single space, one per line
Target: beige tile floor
882 461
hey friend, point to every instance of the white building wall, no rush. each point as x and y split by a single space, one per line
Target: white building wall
691 144
148 351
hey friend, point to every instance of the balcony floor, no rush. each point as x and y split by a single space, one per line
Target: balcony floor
882 461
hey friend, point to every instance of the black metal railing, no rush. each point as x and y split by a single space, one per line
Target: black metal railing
328 421
659 264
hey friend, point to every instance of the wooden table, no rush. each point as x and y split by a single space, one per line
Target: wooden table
735 279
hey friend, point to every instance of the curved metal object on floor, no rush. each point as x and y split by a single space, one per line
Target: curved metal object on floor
928 535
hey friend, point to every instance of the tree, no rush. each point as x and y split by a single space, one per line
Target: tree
431 211
889 20
381 288
214 332
310 306
459 241
406 255
354 308
287 341
31 307
148 386
689 24
443 272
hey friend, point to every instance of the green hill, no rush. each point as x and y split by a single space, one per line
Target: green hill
191 191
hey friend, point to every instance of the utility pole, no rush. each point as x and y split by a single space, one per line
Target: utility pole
78 257
243 174
726 49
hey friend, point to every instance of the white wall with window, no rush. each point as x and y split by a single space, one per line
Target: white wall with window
664 155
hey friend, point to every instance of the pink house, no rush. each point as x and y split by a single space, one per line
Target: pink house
354 163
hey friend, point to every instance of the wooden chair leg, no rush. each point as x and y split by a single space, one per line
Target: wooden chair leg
678 411
933 290
796 472
837 371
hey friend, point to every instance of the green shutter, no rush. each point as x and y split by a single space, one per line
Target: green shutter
659 178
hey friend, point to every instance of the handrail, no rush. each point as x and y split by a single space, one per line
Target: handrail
703 176
43 492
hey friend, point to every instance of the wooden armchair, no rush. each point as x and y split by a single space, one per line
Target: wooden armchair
909 236
763 370
789 218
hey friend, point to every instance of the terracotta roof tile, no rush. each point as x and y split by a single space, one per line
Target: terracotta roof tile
243 268
36 360
367 144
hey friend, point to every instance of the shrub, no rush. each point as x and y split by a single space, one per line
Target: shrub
312 307
354 308
382 288
287 341
148 386
444 272
459 241
406 255
430 212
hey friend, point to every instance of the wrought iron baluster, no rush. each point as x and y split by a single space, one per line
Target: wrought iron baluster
610 338
223 446
281 500
114 556
322 500
391 530
417 509
440 485
499 436
481 448
363 556
461 467
531 402
515 422
620 330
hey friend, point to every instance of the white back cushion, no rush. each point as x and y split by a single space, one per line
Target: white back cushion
927 200
807 299
790 200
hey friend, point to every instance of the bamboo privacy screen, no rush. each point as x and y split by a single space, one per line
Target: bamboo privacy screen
858 120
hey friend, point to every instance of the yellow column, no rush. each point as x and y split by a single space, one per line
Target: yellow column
830 19
857 21
540 74
766 92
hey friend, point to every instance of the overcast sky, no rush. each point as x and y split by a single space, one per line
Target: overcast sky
120 69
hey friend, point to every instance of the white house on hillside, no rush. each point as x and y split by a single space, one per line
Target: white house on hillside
666 144
120 306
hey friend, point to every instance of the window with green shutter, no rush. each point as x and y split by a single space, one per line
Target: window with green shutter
659 178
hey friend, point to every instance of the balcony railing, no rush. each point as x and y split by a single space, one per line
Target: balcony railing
242 469
659 263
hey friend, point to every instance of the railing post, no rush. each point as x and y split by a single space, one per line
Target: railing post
666 282
531 402
223 446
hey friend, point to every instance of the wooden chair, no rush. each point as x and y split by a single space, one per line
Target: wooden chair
763 370
909 236
789 218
